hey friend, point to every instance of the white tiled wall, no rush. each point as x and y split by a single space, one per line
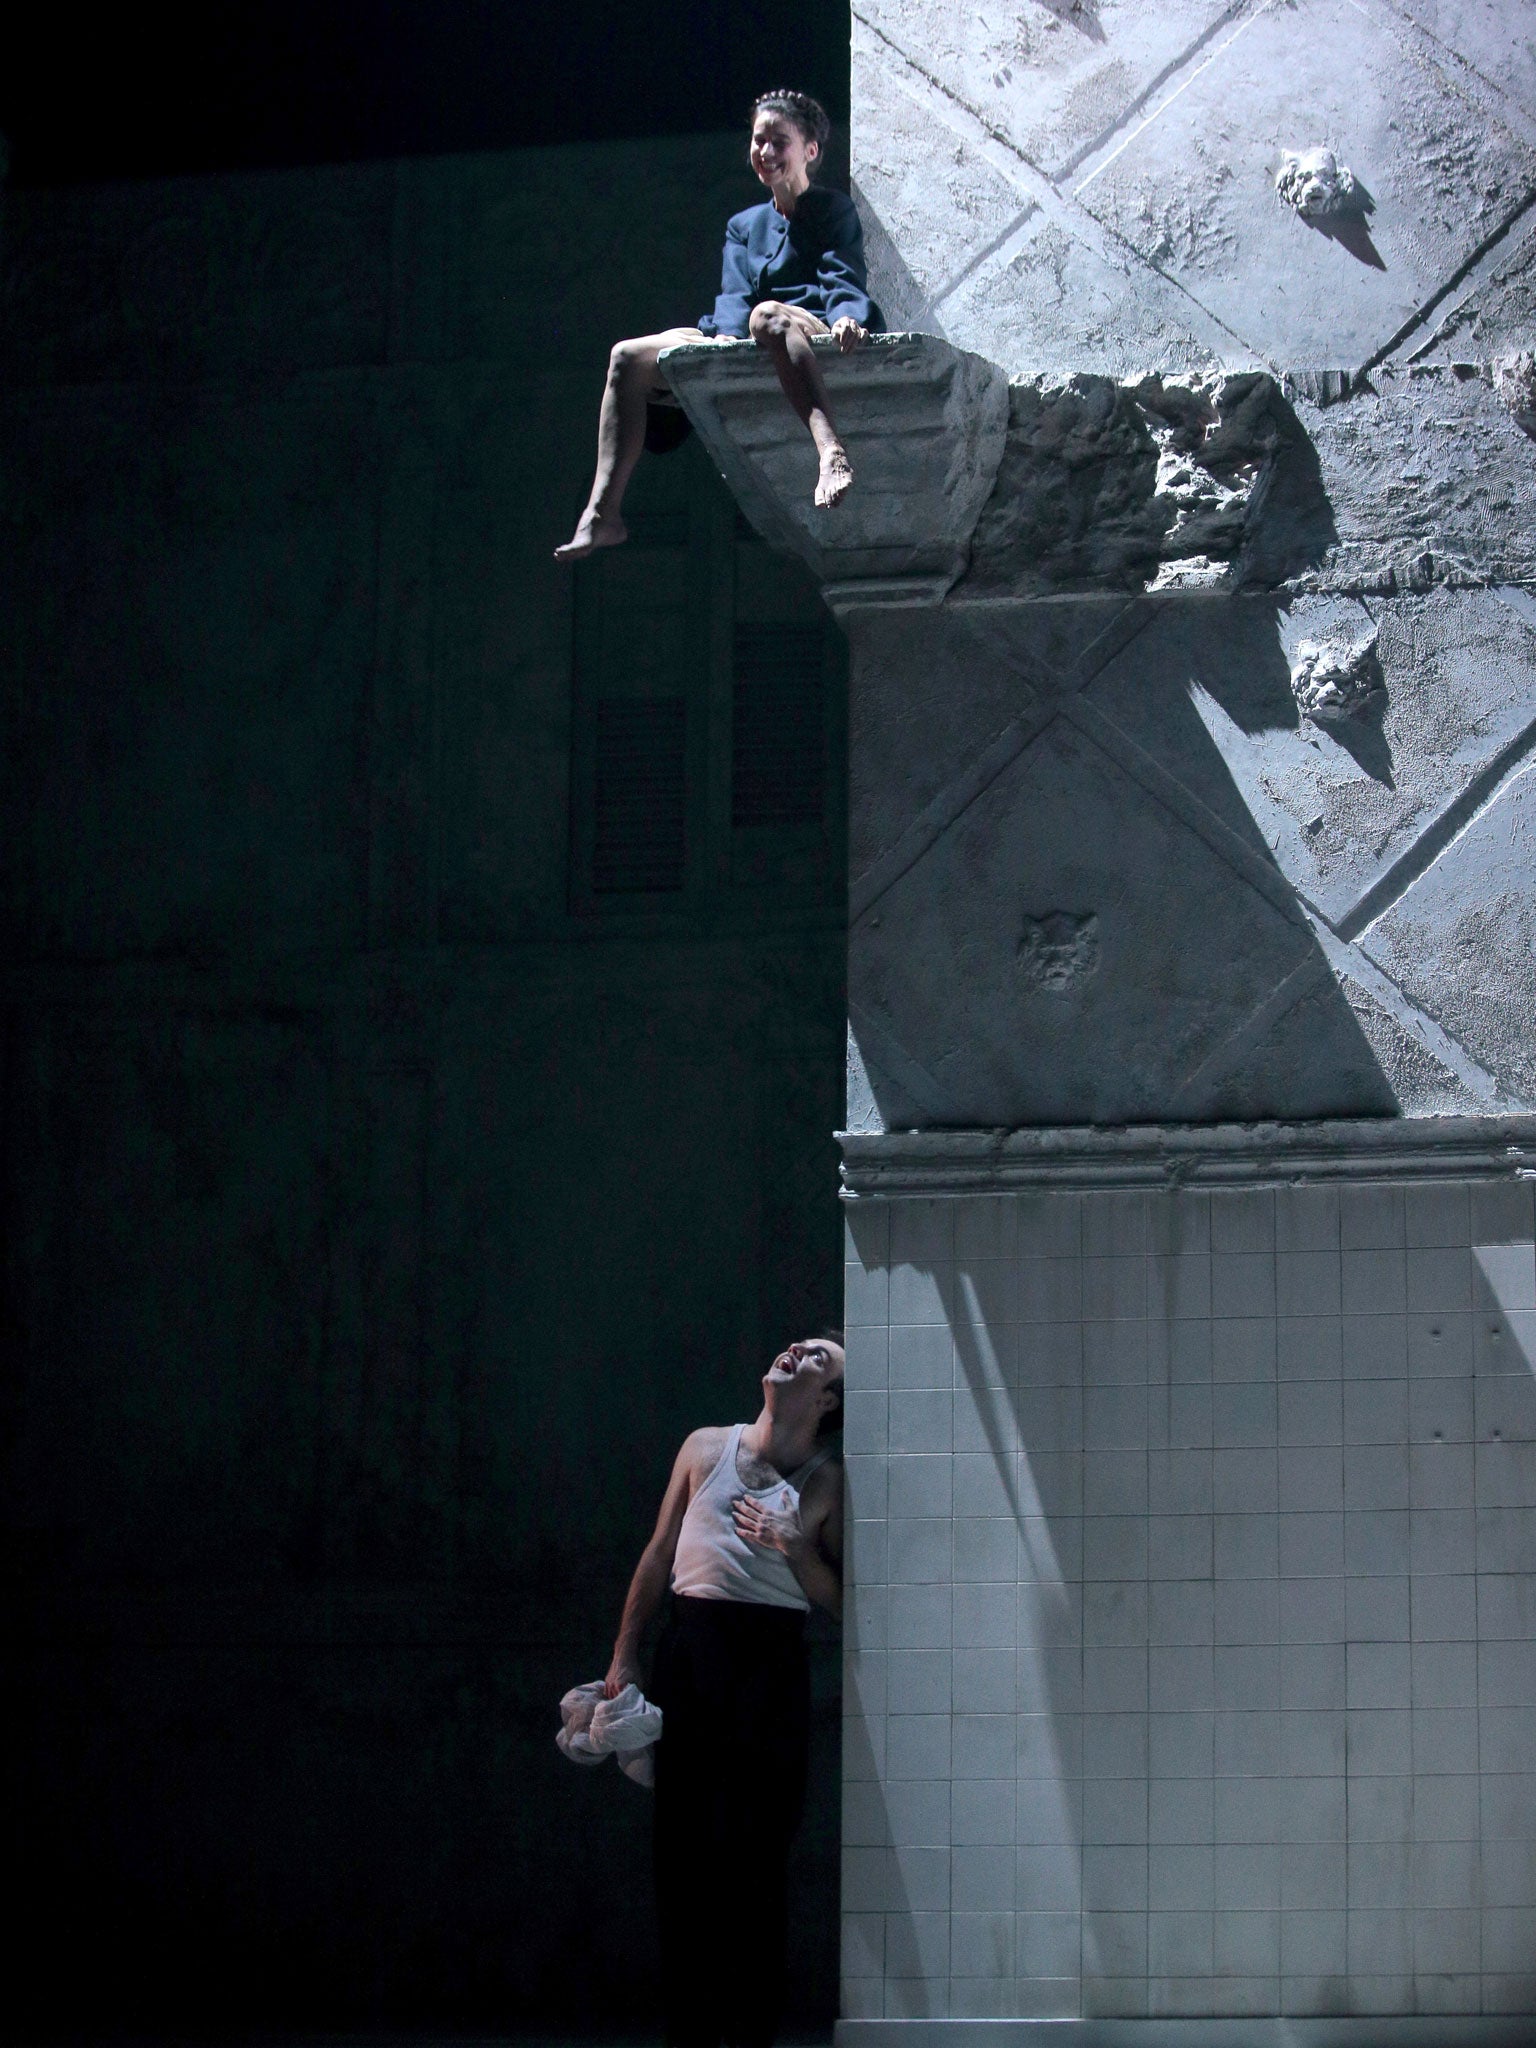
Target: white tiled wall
1192 1635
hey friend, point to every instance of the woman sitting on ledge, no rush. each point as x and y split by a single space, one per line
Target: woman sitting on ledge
793 267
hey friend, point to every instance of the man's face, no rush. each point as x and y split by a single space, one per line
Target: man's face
801 1374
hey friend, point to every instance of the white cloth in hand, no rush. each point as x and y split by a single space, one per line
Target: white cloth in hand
625 1727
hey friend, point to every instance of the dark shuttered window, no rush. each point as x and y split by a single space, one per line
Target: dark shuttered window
639 796
778 726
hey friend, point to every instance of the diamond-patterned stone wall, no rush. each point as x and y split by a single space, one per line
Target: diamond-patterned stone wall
1102 196
1189 1668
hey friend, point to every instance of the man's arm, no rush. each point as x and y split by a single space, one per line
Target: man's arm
654 1570
819 1566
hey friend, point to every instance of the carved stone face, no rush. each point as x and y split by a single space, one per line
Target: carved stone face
1316 184
1058 951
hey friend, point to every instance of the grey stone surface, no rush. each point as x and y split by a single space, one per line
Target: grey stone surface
1069 829
924 428
1106 486
1428 478
1462 940
1192 845
1339 808
1051 80
1151 769
1410 478
1142 146
1514 378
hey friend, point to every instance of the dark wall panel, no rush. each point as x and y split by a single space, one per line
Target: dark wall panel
383 1200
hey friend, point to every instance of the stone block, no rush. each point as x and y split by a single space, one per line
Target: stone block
924 424
1438 163
1108 485
1065 831
1050 80
1462 939
1429 478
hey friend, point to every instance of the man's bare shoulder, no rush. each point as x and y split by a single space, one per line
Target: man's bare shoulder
702 1447
825 1483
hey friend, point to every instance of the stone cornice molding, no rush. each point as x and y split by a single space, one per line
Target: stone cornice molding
1417 2030
1171 1156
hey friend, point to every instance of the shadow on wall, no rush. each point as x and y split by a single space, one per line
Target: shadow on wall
1204 991
1347 219
1019 1787
1086 820
903 302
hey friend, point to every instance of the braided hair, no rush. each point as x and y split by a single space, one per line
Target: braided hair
808 115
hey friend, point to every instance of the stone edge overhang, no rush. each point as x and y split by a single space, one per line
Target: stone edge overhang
897 1164
1405 2030
1248 495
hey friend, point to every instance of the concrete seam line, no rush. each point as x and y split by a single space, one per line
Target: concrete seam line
1075 219
1309 972
878 1043
1192 811
1417 319
1346 958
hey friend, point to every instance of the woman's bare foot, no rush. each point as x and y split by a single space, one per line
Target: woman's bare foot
594 531
836 478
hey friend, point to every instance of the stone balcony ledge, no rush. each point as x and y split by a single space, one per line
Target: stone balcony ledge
977 489
925 424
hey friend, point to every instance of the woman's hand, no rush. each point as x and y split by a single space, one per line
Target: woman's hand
621 1672
769 1527
847 333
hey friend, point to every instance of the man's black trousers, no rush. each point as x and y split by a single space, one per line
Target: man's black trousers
732 1683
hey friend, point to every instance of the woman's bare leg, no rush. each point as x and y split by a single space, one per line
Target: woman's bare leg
787 340
632 377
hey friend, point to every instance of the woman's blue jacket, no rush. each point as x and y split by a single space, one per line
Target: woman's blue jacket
815 260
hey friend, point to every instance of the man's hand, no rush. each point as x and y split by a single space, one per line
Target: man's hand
621 1672
847 333
769 1527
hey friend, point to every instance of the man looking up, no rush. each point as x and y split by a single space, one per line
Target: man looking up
750 1533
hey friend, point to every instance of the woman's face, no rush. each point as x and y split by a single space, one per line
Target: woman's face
781 155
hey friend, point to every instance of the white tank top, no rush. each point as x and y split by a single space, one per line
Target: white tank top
713 1563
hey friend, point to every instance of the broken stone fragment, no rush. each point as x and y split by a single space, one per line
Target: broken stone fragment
1514 379
1331 682
1153 484
1192 572
1316 185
